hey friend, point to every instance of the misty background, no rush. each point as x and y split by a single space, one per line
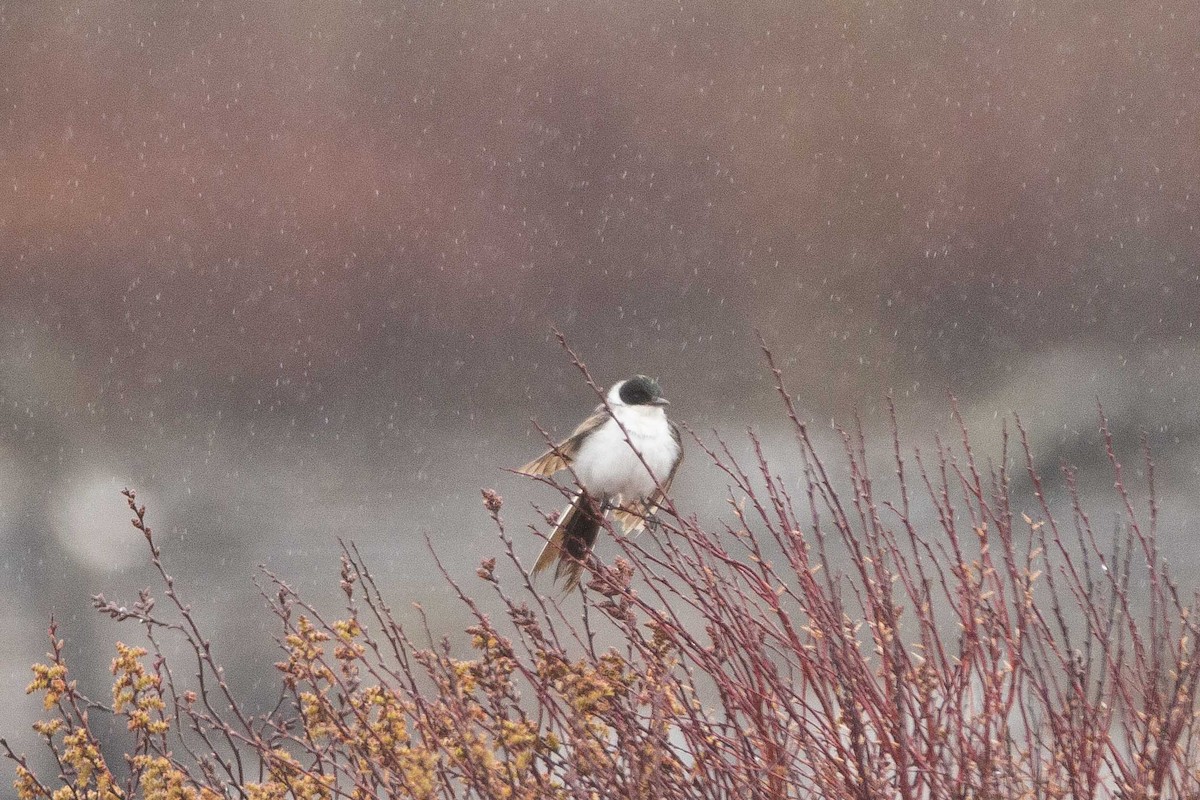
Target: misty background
289 270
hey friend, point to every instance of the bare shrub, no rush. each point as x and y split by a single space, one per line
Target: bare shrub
998 654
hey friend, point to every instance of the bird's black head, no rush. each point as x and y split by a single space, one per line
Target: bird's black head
642 391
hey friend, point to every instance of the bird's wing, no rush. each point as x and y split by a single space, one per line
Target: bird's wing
561 455
632 516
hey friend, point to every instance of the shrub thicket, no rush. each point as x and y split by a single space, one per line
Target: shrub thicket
1001 654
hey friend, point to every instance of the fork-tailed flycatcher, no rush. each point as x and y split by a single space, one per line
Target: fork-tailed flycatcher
624 456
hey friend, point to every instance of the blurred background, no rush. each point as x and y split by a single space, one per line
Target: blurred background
289 269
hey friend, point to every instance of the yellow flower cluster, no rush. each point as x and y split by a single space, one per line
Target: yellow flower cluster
86 773
378 737
136 693
51 678
93 781
588 690
289 780
305 649
369 724
162 780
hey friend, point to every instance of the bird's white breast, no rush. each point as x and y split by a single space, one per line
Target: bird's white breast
607 466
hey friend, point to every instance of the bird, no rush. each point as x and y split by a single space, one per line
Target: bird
624 457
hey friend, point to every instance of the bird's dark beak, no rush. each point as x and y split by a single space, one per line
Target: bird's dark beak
661 401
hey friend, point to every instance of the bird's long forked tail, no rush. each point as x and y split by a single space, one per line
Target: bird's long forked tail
572 540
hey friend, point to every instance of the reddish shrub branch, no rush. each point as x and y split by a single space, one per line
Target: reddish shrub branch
935 639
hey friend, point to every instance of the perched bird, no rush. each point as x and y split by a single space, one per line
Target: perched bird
612 475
